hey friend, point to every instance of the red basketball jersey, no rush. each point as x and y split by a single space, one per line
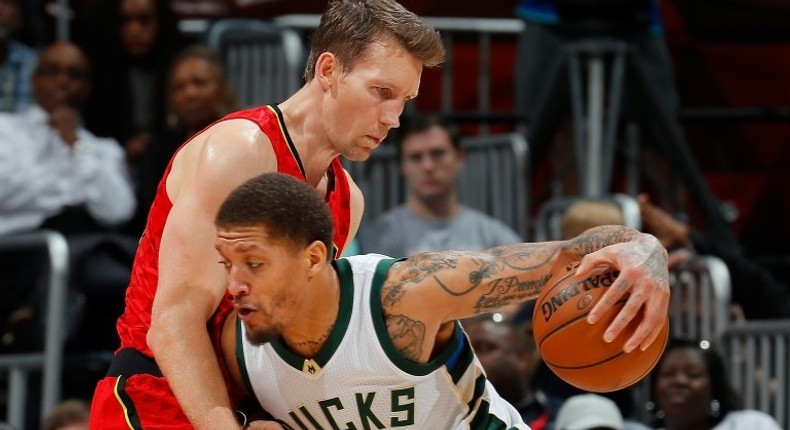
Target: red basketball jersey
133 325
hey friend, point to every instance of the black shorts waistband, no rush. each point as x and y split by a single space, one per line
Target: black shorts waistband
129 361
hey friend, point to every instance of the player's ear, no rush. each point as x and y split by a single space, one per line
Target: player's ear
316 255
327 68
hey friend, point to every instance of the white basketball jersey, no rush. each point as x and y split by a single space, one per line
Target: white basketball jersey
359 381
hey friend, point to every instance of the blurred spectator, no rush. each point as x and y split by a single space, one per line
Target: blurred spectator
16 60
585 214
70 414
691 390
433 218
508 355
130 43
589 412
50 164
55 174
758 293
197 95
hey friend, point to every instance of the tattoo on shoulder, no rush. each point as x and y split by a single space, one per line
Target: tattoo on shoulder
407 335
416 270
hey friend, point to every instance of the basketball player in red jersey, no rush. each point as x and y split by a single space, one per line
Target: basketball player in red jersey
365 62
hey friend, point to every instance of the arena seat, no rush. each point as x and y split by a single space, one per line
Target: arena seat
263 61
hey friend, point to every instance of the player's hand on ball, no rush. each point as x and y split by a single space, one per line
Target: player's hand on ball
643 280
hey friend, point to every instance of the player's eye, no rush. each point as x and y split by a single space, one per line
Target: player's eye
385 93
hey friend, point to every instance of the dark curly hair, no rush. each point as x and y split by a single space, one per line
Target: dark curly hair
288 208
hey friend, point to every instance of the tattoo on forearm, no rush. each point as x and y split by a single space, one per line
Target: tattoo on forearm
519 260
600 237
407 335
509 290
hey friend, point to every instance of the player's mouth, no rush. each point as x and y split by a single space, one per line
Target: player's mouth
376 140
245 311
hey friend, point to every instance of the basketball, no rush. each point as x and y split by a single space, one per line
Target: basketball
574 349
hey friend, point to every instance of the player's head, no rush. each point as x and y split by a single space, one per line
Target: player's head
61 77
274 235
366 60
349 28
430 158
290 211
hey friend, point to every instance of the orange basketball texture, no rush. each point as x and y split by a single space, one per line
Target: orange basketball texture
574 349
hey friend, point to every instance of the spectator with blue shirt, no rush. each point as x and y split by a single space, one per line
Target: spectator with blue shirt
17 60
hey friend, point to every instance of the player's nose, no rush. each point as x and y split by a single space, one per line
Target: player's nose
237 287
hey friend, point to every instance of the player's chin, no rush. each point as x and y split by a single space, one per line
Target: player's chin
359 154
260 335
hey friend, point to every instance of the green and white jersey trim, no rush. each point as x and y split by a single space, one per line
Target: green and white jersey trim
359 381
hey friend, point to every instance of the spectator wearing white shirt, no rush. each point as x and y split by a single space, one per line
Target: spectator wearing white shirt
49 163
55 174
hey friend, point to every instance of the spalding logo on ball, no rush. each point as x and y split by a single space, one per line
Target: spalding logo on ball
574 349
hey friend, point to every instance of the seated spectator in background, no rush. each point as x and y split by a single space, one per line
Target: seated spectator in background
16 60
68 415
589 412
433 218
508 355
584 214
691 391
131 43
57 175
197 95
759 294
50 165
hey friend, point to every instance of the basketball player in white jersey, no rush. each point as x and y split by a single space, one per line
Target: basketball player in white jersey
369 342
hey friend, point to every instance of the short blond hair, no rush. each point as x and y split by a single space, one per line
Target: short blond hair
349 27
585 214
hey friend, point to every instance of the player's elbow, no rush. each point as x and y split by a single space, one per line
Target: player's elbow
161 334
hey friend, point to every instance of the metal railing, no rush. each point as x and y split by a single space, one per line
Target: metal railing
757 354
51 358
701 296
485 184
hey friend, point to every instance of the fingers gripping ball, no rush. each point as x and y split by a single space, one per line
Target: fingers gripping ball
574 349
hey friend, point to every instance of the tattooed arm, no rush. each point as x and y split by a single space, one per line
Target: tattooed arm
430 289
